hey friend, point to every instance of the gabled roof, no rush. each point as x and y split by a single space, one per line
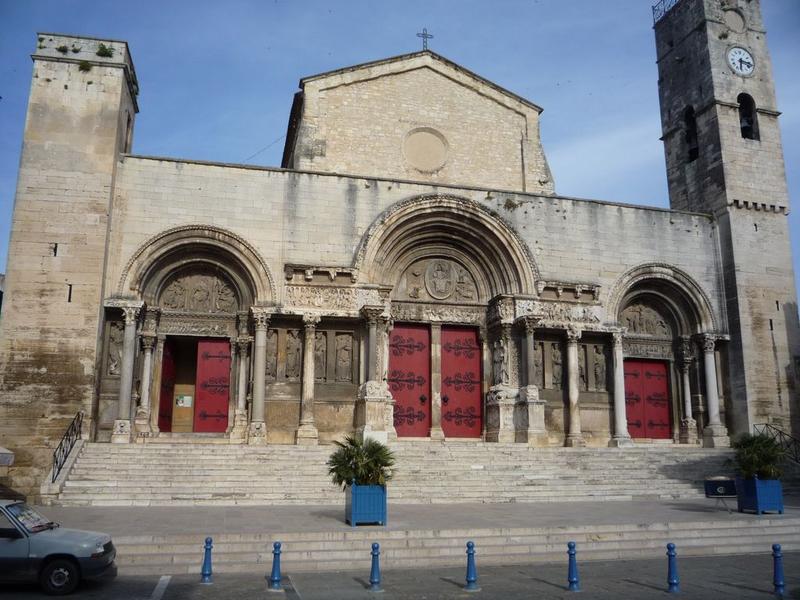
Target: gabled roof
394 60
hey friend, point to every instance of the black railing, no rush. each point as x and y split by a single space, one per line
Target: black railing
789 443
71 435
661 8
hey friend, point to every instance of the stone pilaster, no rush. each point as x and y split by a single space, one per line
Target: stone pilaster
688 428
374 399
122 425
142 421
530 409
621 437
307 433
258 431
575 436
715 435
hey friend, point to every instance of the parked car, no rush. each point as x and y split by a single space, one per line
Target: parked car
34 548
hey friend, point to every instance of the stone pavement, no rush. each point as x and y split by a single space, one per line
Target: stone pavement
702 578
210 520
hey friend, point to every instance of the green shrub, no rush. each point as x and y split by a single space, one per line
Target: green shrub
759 455
84 66
104 51
367 463
63 49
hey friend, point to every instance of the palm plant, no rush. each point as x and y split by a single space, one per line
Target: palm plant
759 455
363 463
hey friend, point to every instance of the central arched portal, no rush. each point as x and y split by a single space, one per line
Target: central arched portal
445 259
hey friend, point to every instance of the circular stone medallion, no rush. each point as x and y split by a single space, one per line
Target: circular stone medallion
425 149
440 279
734 20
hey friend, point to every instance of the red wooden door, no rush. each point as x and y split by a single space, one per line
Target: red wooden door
212 389
461 383
167 388
647 399
410 379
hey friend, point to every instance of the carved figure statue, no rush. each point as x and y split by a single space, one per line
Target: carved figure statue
499 362
115 334
201 296
272 354
320 355
344 357
537 362
584 385
226 299
557 365
465 289
293 354
599 368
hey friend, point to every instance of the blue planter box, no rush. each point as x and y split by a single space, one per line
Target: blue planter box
759 495
365 504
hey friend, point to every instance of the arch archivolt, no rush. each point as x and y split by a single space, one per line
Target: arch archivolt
466 238
211 257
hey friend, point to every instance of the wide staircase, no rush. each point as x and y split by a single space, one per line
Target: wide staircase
181 474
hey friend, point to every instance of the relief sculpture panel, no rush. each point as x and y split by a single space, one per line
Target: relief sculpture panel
599 359
641 319
437 279
272 355
344 357
557 365
320 355
199 292
294 343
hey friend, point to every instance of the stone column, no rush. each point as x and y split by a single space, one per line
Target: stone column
715 435
122 425
531 408
374 398
436 432
240 415
142 422
384 327
688 429
155 383
621 437
307 433
574 437
258 431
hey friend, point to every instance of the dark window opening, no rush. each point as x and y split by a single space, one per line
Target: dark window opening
777 306
770 325
755 226
690 127
55 248
748 120
69 292
129 135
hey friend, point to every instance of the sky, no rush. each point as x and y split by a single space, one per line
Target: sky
217 78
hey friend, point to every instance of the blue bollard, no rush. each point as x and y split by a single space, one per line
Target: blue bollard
375 572
205 572
472 572
672 570
274 579
572 572
777 564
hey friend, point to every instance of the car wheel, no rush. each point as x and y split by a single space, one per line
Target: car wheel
60 576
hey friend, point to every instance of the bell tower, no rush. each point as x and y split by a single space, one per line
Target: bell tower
724 157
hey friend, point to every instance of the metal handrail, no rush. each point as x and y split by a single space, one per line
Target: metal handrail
788 442
661 8
71 435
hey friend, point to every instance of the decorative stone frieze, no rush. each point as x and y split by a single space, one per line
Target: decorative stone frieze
438 313
568 292
319 274
332 300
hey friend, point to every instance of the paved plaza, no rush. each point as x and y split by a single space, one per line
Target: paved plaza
702 578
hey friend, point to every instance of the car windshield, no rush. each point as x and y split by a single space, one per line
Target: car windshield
30 519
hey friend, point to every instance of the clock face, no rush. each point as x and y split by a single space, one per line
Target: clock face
741 61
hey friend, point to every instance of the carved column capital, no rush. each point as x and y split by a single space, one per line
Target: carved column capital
261 317
310 322
148 341
243 344
573 334
616 338
371 313
708 341
131 314
529 322
151 315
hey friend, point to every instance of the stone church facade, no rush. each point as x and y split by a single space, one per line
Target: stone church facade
408 272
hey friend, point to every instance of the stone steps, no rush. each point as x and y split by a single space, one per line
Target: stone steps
182 474
343 550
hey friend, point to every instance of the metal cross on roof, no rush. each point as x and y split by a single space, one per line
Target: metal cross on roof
425 37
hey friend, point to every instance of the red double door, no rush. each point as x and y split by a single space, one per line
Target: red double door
210 378
647 399
410 381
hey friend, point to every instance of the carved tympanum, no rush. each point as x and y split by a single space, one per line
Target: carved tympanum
199 292
641 319
437 279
